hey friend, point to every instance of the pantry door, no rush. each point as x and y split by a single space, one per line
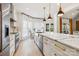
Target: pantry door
77 25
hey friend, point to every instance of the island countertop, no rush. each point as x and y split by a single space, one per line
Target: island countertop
66 39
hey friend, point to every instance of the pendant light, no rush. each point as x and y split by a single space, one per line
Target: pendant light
60 12
44 13
49 17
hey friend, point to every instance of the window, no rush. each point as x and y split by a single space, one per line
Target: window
49 27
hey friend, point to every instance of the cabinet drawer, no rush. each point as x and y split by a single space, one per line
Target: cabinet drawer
65 49
46 49
53 47
51 42
57 53
51 51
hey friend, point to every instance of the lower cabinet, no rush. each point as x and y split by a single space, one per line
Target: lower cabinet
6 51
39 41
55 48
12 45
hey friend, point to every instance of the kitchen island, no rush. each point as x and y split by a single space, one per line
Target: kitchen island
56 44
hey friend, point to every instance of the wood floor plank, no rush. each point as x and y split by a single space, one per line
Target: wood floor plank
28 48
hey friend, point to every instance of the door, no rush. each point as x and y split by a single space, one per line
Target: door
77 25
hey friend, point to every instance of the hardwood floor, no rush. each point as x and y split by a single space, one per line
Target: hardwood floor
28 48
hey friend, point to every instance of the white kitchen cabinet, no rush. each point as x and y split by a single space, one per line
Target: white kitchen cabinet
12 44
12 50
47 48
54 48
65 49
38 41
5 52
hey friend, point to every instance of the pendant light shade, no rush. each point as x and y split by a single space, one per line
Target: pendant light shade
44 14
60 12
44 19
49 17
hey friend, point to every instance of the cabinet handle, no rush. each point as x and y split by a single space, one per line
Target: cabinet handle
60 47
55 54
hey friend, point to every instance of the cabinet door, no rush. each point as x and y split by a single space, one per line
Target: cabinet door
47 48
41 42
53 50
66 50
6 51
12 45
12 50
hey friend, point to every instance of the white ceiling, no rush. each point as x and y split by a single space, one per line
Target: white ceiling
74 13
36 9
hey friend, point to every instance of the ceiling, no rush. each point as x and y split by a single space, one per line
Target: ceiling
74 13
36 9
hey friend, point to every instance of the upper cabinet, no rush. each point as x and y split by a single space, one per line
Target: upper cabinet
13 12
5 9
13 15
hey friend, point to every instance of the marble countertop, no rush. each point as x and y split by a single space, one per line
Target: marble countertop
67 39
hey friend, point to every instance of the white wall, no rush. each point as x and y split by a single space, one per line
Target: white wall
39 26
19 23
55 23
25 28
